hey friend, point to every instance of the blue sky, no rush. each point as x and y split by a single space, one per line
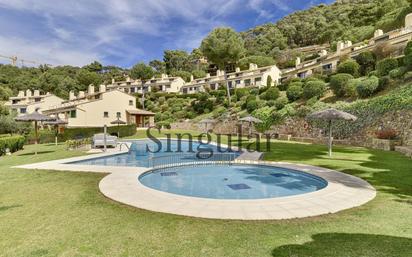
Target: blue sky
123 32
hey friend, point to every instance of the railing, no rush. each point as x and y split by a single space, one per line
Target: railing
123 144
180 159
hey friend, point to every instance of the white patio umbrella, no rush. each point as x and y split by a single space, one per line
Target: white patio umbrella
329 115
251 120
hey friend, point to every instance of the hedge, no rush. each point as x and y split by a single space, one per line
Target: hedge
13 143
78 133
47 136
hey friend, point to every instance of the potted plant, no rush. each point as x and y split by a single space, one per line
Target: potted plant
386 139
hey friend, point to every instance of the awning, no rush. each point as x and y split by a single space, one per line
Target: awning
140 112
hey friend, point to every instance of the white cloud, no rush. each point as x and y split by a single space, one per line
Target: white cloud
47 52
79 31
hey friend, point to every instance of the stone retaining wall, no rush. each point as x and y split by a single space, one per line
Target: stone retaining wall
298 129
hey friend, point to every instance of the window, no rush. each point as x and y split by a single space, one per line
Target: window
237 82
73 114
131 102
247 82
96 97
15 101
118 115
132 90
258 79
106 114
37 99
23 110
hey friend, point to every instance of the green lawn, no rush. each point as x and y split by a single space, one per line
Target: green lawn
49 213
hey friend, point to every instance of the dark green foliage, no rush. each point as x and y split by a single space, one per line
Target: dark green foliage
223 46
397 73
281 102
251 105
384 66
198 74
185 75
408 56
141 71
384 82
350 67
13 143
314 89
77 133
338 83
367 62
294 91
271 94
261 61
367 86
241 92
269 81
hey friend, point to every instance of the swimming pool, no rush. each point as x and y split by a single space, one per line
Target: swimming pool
232 181
138 156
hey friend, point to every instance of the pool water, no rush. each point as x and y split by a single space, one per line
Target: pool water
232 181
138 156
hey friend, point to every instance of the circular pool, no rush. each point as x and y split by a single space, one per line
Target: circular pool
232 181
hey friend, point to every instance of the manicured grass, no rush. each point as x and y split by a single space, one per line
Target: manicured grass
50 213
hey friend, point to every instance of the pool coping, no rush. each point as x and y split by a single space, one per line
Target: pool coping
342 192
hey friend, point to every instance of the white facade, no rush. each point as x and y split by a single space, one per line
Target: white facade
99 109
253 77
164 84
29 101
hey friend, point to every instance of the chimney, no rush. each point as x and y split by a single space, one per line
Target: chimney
90 90
28 93
127 79
207 75
36 93
191 78
81 94
348 43
102 88
251 66
71 95
237 69
408 21
323 53
163 76
218 73
378 33
113 81
297 62
21 94
340 45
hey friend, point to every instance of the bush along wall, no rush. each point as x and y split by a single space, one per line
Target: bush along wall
81 133
13 143
47 136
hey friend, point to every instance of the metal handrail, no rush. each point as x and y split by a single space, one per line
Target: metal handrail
123 143
179 159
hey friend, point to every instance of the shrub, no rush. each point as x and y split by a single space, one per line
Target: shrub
314 89
397 73
13 143
294 91
367 86
241 92
386 134
265 115
350 67
272 93
350 89
281 102
251 105
219 111
81 133
384 82
386 65
338 83
367 62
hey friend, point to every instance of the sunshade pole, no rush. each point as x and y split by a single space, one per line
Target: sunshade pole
36 137
330 138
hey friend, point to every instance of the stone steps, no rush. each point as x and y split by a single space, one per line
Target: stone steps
406 150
